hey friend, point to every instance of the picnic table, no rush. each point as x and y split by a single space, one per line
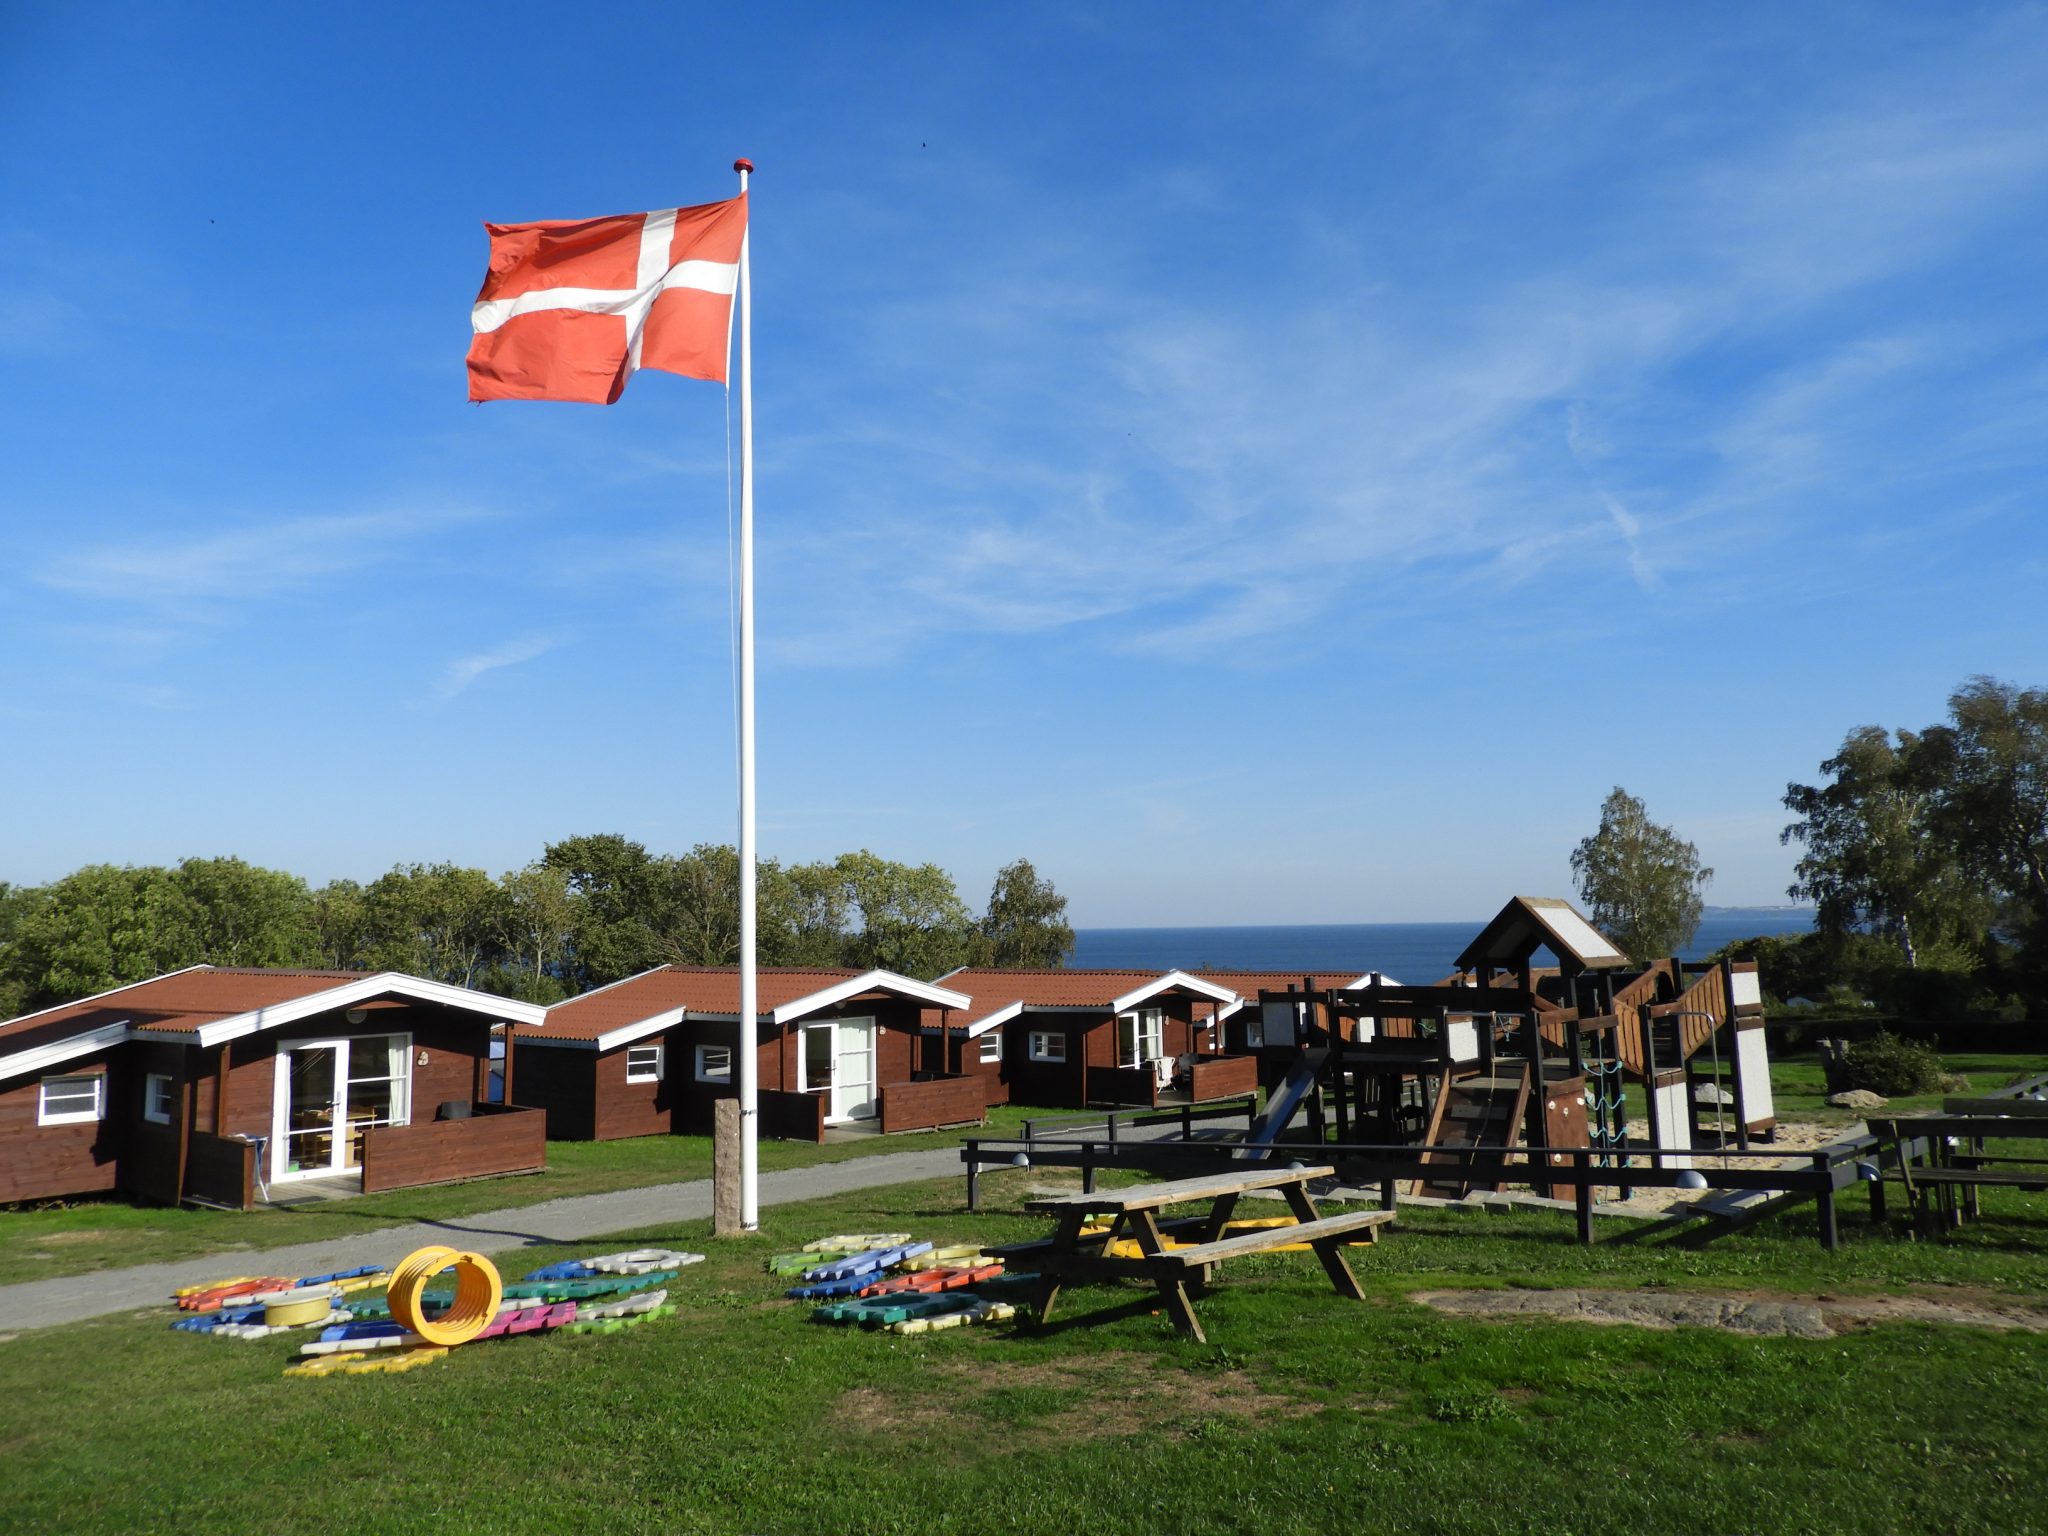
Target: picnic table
1071 1254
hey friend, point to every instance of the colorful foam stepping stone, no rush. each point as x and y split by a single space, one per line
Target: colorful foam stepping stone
897 1309
990 1312
857 1242
342 1274
627 1306
824 1290
641 1261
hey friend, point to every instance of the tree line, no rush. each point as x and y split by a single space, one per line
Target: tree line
590 911
1925 853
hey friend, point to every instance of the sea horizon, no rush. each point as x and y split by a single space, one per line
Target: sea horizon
1409 952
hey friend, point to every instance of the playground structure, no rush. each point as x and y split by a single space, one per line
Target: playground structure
1504 1053
1507 1071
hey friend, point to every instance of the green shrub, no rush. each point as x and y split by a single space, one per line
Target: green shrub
1891 1066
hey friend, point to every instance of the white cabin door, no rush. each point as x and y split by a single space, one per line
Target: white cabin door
853 1078
308 1111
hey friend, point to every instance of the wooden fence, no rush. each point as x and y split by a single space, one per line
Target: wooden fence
950 1099
495 1138
221 1170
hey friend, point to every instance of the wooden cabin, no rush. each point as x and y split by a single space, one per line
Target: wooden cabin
221 1085
652 1054
1084 1037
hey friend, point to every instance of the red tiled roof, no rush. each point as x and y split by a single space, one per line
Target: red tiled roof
1062 988
700 989
181 1001
1248 984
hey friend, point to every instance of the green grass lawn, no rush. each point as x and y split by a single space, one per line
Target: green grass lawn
73 1237
1304 1413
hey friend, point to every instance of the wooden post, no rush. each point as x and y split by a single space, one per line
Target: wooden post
1582 1196
505 1075
220 1088
725 1165
188 1106
1649 1044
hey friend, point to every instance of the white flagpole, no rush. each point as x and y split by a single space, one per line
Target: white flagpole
749 1062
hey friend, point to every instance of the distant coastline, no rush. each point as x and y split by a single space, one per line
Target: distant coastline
1412 952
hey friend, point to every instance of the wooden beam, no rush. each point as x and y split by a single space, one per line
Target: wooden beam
220 1087
188 1106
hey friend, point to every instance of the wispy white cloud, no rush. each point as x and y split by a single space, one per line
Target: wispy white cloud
205 574
463 671
1206 467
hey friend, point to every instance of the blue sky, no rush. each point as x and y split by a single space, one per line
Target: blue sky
1273 464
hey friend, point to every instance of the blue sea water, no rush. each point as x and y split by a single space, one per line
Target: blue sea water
1410 952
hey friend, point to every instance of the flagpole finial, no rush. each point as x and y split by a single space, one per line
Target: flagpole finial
743 165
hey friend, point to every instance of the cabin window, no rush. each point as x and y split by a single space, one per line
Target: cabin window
72 1100
156 1097
714 1063
1048 1045
1254 1033
643 1063
818 1047
991 1047
1140 1036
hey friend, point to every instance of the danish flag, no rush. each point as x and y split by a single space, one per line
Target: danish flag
570 307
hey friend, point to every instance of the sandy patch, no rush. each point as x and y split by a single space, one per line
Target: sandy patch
1816 1317
1123 1394
1792 1136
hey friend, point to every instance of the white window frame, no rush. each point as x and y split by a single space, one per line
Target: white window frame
706 1072
643 1075
45 1116
991 1048
1254 1032
1048 1045
1147 1027
151 1084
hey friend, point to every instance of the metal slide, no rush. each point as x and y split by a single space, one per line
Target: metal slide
1284 1100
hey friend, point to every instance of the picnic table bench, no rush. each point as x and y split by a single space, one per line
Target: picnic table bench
1938 1157
1071 1254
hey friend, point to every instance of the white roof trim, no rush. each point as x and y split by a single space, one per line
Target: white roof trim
640 1029
872 981
363 991
1001 1016
43 1057
1166 983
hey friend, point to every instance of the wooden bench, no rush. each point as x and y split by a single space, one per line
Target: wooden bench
1956 1160
1324 1230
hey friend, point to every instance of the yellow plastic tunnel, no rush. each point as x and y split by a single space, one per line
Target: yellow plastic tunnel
478 1293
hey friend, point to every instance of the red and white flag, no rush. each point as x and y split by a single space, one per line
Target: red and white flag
570 307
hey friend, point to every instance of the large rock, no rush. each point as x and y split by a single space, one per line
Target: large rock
1858 1098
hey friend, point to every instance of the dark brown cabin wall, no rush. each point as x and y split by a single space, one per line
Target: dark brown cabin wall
993 1075
149 1151
1099 1043
625 1109
562 1080
44 1162
1054 1084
